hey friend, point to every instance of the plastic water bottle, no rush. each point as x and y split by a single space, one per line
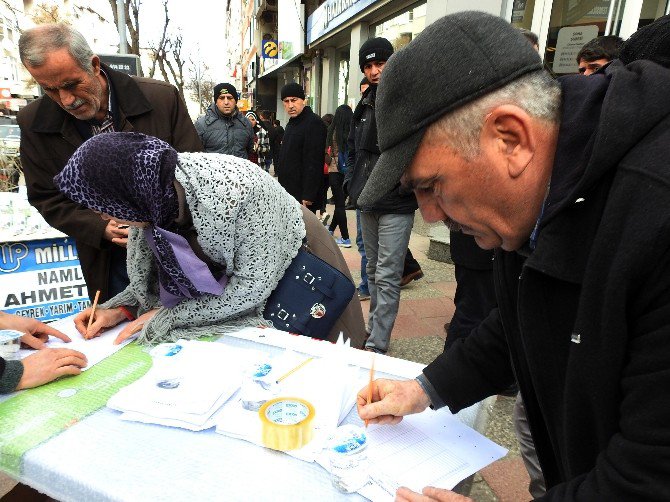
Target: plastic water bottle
347 449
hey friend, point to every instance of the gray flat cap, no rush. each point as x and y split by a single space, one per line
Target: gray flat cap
455 60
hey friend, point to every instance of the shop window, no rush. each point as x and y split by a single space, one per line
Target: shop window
342 81
652 10
572 24
401 28
522 13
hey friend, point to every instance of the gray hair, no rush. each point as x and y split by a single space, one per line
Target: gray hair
536 93
36 43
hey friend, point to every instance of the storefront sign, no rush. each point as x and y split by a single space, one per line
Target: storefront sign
270 49
41 279
291 43
331 14
125 63
570 41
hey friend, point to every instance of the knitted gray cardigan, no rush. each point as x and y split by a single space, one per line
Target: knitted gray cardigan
246 222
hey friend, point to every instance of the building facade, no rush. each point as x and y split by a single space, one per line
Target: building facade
316 42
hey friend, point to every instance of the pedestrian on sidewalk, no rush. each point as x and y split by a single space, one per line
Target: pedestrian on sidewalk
386 224
548 174
338 132
300 166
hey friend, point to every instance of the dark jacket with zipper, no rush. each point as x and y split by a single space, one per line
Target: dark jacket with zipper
583 320
49 137
301 158
228 135
362 154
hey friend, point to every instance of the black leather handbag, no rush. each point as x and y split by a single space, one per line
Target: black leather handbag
309 298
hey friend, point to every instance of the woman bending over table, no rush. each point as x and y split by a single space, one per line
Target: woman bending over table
211 236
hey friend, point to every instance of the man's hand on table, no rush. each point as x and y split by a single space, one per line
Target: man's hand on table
429 494
48 364
391 400
116 233
36 333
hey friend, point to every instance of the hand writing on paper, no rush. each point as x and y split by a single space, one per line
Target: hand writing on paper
391 400
116 233
135 326
429 494
103 319
48 364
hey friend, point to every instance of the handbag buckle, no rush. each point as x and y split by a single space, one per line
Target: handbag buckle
310 280
282 314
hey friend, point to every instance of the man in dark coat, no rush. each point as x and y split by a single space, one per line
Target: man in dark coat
570 184
300 165
85 97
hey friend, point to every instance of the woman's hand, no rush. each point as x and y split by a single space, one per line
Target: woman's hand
135 326
102 319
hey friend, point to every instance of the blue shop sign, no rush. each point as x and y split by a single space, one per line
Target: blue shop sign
331 14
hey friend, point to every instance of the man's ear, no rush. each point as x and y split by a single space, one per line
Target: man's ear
95 65
508 134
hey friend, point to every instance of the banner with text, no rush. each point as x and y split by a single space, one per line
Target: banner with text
41 279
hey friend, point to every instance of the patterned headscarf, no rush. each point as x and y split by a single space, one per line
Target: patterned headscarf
130 177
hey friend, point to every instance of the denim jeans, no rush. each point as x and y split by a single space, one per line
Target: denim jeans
385 237
363 286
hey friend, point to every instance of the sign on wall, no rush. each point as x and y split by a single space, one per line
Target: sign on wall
570 41
41 279
331 14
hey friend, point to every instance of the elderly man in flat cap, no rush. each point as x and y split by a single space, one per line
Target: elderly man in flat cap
569 183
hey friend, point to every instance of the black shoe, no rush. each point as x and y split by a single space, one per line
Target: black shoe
412 276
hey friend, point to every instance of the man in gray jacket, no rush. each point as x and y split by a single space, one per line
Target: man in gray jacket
223 128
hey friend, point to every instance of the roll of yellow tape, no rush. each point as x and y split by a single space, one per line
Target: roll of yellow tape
287 423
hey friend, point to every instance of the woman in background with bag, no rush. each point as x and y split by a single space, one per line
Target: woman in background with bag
211 240
336 142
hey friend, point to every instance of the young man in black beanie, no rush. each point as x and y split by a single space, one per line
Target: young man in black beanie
299 167
387 224
223 128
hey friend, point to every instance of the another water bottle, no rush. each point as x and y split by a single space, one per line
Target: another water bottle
347 449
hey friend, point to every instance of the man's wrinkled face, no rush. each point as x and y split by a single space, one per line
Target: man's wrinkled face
293 106
79 92
373 71
467 195
590 67
226 104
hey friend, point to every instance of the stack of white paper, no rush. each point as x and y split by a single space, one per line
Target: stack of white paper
328 383
96 349
187 384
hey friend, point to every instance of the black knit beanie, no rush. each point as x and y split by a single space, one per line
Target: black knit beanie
292 90
650 42
375 49
225 89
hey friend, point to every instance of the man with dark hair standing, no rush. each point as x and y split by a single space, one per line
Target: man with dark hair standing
84 97
568 183
598 53
224 128
387 224
300 166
